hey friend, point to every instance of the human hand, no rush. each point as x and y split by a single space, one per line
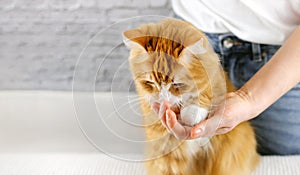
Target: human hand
232 110
169 118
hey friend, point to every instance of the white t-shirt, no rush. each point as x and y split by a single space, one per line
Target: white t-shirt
259 21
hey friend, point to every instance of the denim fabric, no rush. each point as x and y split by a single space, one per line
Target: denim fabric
277 129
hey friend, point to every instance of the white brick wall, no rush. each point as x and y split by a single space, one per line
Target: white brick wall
40 41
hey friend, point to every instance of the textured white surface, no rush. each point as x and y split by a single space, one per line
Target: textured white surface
100 164
39 136
66 164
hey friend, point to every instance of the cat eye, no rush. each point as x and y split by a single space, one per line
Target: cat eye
178 85
149 83
178 88
146 83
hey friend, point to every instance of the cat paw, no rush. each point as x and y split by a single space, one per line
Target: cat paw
192 114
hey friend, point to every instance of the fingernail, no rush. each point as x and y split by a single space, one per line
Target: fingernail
197 132
167 114
167 105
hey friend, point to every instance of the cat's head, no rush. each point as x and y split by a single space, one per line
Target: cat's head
172 61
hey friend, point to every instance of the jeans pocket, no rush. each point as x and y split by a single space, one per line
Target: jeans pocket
241 67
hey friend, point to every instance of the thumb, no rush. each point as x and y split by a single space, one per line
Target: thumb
206 128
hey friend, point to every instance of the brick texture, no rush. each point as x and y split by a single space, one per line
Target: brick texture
42 40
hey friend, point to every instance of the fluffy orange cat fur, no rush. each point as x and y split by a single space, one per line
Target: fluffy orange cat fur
174 52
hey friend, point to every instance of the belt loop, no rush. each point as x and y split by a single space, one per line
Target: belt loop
256 52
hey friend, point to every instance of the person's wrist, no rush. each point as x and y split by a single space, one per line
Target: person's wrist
251 106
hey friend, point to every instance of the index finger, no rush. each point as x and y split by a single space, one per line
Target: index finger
178 130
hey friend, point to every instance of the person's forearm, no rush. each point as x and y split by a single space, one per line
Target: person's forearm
275 78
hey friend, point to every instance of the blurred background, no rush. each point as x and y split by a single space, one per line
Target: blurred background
41 40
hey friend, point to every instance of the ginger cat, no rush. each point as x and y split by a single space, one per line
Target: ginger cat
174 59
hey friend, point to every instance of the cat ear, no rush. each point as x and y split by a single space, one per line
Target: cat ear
196 48
193 49
134 39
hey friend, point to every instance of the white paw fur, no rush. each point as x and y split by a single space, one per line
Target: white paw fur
192 114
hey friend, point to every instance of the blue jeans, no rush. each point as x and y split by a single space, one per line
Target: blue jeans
277 129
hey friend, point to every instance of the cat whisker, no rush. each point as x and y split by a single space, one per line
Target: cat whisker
132 103
132 96
131 107
134 100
